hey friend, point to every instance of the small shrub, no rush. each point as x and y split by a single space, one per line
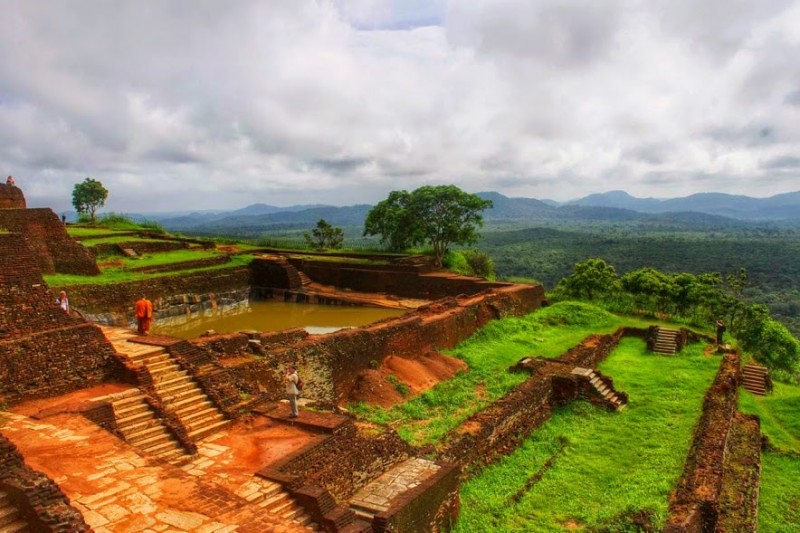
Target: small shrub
479 263
399 386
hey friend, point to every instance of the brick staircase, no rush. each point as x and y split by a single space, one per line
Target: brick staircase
180 394
305 281
602 388
754 379
271 497
665 341
11 520
140 427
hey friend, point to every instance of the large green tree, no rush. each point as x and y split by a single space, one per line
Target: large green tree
438 215
324 236
88 195
590 279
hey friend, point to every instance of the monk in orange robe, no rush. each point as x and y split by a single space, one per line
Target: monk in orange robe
144 315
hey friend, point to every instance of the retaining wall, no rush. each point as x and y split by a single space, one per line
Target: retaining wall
41 503
695 503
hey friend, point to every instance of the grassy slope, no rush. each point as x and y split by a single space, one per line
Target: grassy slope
612 463
779 502
548 332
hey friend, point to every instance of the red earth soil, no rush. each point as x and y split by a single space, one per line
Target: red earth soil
420 374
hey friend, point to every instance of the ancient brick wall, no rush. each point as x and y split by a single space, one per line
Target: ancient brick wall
120 297
695 503
392 279
11 197
329 364
54 250
42 504
43 351
26 305
56 362
275 273
433 505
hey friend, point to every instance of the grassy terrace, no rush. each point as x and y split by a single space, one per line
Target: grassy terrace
604 466
117 272
547 333
779 502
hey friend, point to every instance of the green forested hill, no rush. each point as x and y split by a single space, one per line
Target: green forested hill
771 257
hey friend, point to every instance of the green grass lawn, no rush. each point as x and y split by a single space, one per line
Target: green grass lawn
116 274
77 231
605 465
548 332
779 501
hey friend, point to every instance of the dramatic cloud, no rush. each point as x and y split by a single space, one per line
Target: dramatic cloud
201 104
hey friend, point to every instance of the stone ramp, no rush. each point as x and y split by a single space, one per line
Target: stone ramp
378 496
117 489
11 520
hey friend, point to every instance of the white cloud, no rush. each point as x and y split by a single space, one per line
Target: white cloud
189 105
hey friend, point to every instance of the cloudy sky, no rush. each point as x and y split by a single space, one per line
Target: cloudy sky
207 104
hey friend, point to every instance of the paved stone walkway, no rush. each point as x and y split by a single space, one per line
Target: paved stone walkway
378 495
116 489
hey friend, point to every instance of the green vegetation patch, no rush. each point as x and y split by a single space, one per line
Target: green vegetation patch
489 353
112 275
779 501
114 239
588 468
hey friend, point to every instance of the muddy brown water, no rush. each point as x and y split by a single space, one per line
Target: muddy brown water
275 316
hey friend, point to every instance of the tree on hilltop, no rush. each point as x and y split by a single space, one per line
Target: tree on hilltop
591 279
439 215
88 195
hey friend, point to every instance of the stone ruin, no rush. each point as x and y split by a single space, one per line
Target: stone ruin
54 250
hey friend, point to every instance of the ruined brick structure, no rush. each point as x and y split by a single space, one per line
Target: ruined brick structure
42 504
11 197
37 337
54 250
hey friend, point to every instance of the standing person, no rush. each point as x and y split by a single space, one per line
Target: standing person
292 379
144 315
720 331
63 301
10 181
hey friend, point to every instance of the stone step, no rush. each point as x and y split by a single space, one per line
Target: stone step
123 402
143 434
163 448
179 377
138 425
172 398
363 512
131 409
275 499
207 420
280 506
135 418
292 512
190 404
20 526
150 357
198 434
8 514
152 441
163 366
173 390
190 417
171 455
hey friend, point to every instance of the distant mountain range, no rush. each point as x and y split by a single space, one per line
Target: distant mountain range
705 209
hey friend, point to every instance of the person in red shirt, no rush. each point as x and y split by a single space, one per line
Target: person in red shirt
144 315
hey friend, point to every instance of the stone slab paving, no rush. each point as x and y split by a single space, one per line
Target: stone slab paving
378 495
118 490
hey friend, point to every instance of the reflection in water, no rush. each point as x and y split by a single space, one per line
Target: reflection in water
273 316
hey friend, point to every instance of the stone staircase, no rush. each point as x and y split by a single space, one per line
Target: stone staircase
140 427
305 281
608 393
754 379
180 394
11 520
666 341
271 497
